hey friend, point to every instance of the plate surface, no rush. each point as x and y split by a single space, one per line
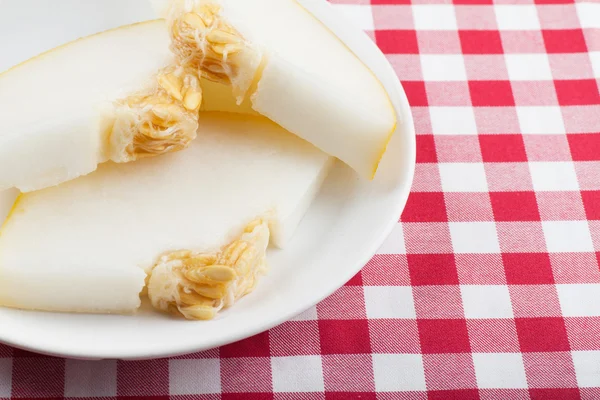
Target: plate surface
342 230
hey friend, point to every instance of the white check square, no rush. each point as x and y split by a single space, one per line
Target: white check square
486 301
434 17
499 370
297 374
528 67
463 177
587 368
553 176
541 120
474 237
195 376
90 378
589 14
567 236
398 372
453 121
6 377
443 67
579 300
394 243
359 15
517 17
389 302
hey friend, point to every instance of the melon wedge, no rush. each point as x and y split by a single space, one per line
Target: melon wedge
105 97
289 67
198 221
123 94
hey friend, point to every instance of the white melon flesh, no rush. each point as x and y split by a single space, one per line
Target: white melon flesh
86 245
292 68
57 107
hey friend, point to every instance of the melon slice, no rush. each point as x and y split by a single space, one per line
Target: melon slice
289 67
198 221
134 92
114 96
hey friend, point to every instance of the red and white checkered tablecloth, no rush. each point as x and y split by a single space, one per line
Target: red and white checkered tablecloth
489 286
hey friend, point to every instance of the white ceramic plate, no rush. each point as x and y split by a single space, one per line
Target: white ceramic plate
343 228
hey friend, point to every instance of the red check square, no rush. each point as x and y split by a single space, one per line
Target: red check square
255 346
564 41
577 92
459 394
397 41
527 268
344 336
515 206
591 203
585 147
502 148
491 93
344 396
142 378
432 269
497 394
443 336
481 42
6 351
40 377
426 149
415 92
238 396
555 393
542 334
356 280
425 207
